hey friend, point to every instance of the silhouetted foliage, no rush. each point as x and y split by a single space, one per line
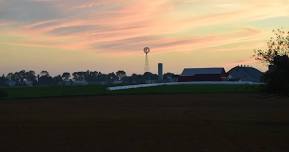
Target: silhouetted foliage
134 79
45 79
3 81
276 56
120 74
277 77
111 77
140 79
278 45
66 76
89 76
170 77
58 80
150 76
23 78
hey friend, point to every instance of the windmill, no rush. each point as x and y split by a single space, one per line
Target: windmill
146 51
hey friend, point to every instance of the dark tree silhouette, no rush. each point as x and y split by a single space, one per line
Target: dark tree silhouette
23 78
276 56
170 77
57 80
137 78
120 74
3 81
111 77
31 77
45 79
278 45
277 77
89 76
66 76
149 76
20 77
77 76
44 74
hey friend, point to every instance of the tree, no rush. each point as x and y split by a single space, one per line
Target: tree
44 73
170 77
19 77
57 80
44 78
278 45
120 74
3 81
77 76
277 77
30 76
66 76
136 79
276 56
111 77
150 76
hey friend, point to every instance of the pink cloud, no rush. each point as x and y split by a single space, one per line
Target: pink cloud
127 27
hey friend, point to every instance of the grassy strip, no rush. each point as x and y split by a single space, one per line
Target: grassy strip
177 89
91 90
53 91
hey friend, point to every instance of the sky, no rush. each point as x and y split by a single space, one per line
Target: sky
109 35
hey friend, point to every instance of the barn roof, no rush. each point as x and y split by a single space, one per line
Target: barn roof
245 74
196 71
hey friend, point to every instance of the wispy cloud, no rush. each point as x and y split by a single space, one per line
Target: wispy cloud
126 26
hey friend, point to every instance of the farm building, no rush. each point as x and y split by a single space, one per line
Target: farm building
202 74
243 73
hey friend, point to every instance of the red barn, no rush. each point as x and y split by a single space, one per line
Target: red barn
202 74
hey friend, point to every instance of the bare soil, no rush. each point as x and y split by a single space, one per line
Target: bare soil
145 123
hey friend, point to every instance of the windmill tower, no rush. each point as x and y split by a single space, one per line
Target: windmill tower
147 67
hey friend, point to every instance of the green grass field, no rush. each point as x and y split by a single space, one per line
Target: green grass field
179 89
53 91
91 90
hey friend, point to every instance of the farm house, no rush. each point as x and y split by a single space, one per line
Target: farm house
202 74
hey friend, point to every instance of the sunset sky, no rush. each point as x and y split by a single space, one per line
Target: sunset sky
109 35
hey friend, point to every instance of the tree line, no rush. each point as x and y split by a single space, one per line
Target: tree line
276 56
30 78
